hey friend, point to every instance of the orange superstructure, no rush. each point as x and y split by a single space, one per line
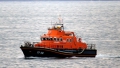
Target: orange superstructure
58 38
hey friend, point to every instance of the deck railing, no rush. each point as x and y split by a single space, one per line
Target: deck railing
29 44
91 46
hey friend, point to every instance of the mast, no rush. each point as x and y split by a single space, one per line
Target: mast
60 19
58 25
61 22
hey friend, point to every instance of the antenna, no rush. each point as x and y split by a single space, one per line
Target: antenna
60 19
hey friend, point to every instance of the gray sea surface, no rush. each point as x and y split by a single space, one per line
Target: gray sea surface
96 22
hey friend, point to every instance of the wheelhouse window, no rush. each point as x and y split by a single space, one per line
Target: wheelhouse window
51 39
55 39
41 39
69 40
44 38
60 39
47 38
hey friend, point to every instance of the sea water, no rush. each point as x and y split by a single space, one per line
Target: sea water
96 22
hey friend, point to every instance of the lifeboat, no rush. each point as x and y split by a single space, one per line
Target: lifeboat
58 43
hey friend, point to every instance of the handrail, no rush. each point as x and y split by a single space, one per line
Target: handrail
91 46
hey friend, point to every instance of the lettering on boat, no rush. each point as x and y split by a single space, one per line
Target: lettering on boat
40 52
